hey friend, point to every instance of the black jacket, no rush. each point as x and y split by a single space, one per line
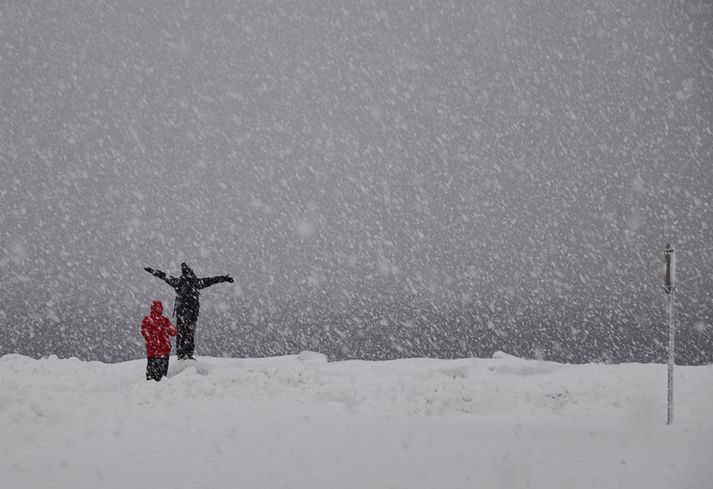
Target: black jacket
187 288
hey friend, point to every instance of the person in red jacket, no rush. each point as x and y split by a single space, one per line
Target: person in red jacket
156 329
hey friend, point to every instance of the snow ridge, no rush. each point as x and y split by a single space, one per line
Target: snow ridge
300 421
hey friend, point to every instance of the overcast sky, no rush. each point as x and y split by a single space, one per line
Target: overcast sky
447 151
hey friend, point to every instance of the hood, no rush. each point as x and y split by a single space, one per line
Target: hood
156 308
186 270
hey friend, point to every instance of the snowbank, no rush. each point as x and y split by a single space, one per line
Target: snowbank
302 422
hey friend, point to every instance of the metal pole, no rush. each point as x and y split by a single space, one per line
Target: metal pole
669 277
671 354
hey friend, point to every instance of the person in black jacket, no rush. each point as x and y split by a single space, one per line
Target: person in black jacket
187 306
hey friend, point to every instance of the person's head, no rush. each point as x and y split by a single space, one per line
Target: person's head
186 270
156 308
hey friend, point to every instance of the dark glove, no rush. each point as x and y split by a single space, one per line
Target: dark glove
229 279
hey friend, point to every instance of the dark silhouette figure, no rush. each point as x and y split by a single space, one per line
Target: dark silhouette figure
187 305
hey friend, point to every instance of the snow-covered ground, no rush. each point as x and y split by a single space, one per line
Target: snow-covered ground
301 422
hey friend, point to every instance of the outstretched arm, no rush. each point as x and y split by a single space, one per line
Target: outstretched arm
162 275
208 281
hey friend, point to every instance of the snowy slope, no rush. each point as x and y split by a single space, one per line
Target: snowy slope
301 422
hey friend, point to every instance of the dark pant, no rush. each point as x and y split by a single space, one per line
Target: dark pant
185 337
156 368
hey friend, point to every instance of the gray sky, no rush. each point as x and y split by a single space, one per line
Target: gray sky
453 152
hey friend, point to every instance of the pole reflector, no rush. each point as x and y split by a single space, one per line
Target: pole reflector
669 268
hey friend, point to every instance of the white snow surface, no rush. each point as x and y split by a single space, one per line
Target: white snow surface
302 422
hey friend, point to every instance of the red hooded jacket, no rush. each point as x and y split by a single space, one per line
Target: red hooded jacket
156 329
